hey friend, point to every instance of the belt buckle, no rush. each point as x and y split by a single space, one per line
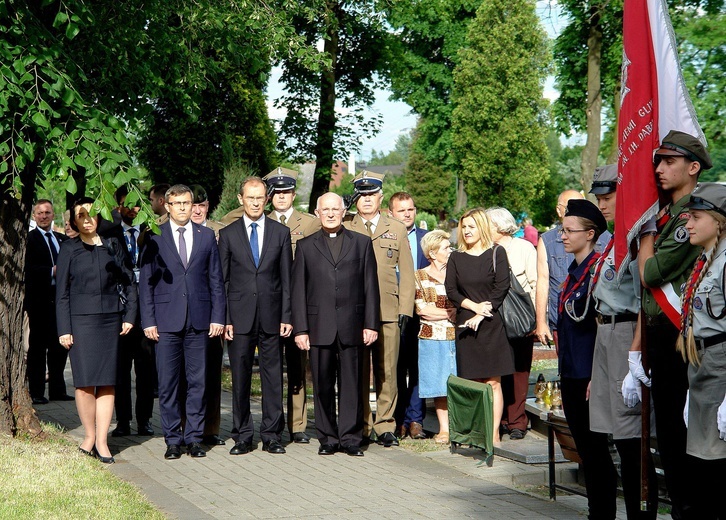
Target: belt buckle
599 319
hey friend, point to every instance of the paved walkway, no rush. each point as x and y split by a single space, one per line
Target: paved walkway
393 483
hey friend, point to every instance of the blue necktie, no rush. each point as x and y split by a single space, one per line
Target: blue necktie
253 244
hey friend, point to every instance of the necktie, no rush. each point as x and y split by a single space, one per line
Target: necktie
132 245
369 228
53 250
182 247
283 220
254 245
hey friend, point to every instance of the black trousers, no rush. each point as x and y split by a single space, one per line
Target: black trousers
342 364
601 479
410 407
138 351
708 482
630 461
241 357
43 346
669 386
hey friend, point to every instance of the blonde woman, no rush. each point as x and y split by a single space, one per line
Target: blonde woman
477 288
703 345
436 347
522 257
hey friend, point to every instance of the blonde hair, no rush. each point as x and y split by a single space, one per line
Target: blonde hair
481 221
432 241
686 345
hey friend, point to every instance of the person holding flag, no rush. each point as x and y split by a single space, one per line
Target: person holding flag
617 303
702 344
665 260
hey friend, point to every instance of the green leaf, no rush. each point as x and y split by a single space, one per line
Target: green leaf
106 213
60 19
72 31
40 120
70 185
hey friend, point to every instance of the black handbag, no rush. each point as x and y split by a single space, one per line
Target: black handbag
517 311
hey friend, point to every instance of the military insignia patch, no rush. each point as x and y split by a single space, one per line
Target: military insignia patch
684 216
697 303
681 234
389 254
609 275
391 236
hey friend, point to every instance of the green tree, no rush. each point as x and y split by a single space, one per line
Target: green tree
430 185
498 122
399 154
326 106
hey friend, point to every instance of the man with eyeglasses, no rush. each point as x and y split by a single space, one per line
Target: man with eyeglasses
665 260
552 264
256 262
335 306
181 290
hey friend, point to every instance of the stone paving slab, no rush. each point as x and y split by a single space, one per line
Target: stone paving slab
388 483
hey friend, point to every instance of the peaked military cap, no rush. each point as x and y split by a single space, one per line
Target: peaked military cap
708 196
281 179
685 145
368 182
605 179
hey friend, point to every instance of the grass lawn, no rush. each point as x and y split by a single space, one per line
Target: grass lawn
50 479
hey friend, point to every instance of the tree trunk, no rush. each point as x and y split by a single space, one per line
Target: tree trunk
16 410
324 153
594 99
461 198
613 157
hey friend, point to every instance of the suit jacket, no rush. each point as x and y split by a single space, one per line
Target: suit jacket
167 291
86 282
335 298
262 291
301 225
390 244
39 289
422 260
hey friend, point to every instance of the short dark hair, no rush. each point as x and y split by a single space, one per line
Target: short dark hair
160 188
177 190
78 202
399 196
120 194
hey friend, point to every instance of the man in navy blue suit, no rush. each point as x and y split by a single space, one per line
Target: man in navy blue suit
181 290
410 409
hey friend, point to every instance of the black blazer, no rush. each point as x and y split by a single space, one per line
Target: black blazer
335 298
262 291
80 273
39 290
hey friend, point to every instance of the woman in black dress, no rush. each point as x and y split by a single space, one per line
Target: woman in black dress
477 288
91 275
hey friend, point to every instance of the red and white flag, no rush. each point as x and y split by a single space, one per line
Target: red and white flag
654 101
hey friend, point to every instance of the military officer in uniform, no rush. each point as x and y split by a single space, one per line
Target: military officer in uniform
665 261
397 290
281 183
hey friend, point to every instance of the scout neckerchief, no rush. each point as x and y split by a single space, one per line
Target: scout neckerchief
571 288
688 293
603 259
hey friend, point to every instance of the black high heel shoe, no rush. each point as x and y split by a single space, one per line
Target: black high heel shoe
105 460
91 453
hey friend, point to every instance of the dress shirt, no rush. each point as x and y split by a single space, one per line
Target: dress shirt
188 236
373 221
260 231
413 243
287 214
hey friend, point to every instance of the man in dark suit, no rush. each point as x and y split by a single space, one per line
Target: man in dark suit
410 409
40 259
181 290
335 302
256 262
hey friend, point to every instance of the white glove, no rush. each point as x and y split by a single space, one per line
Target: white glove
721 418
636 368
685 408
631 391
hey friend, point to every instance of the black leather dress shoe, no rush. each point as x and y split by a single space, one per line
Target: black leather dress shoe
173 451
273 447
122 429
353 451
63 397
240 448
213 440
327 449
300 438
40 400
195 450
387 440
145 428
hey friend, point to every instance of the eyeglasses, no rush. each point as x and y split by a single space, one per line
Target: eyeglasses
569 232
181 204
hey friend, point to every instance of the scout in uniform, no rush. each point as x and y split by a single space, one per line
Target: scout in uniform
617 303
703 346
397 289
281 184
665 261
